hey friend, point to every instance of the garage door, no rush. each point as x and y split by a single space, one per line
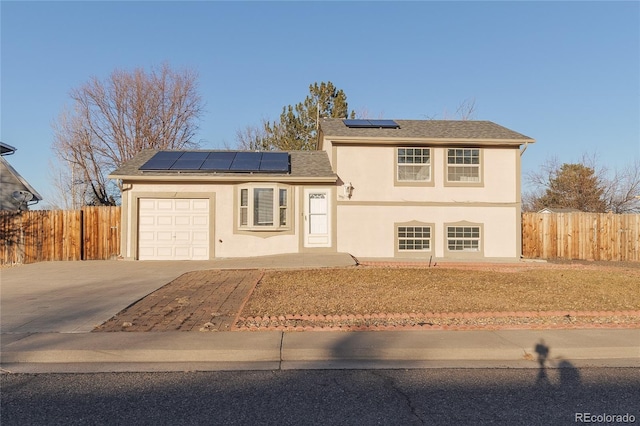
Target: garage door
173 229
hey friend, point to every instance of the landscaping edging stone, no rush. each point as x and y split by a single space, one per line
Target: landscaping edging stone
442 321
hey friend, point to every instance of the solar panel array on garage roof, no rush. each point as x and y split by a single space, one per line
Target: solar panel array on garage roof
218 161
371 124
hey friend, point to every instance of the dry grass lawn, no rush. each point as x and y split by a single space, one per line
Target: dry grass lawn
372 290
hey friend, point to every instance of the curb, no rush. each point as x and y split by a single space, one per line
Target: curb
279 350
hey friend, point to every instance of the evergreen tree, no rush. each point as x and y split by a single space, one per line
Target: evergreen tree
574 186
298 125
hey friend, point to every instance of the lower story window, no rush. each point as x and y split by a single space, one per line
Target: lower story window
263 207
414 238
463 238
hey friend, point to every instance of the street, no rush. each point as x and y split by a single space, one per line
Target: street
329 397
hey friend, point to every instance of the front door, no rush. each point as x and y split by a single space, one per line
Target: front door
316 218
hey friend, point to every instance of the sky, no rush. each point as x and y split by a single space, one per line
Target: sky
564 73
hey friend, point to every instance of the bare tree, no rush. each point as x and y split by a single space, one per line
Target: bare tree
465 111
622 189
253 138
113 120
69 190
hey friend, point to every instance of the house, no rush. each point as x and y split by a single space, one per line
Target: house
374 189
16 193
559 210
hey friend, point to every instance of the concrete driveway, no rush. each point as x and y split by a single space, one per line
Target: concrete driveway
75 297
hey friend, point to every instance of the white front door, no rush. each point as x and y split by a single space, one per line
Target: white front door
316 218
173 229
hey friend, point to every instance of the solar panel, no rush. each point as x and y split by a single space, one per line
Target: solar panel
190 160
385 124
246 162
218 161
274 162
371 124
194 155
162 160
356 123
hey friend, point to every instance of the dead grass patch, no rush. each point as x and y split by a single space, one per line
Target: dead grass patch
440 290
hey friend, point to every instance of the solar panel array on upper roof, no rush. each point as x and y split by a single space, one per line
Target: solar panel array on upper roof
218 161
371 124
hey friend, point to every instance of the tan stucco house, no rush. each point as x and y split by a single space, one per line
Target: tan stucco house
374 188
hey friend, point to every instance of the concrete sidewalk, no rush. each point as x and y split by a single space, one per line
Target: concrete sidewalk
272 350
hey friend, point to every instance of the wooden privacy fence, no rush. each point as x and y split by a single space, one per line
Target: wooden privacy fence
92 233
586 236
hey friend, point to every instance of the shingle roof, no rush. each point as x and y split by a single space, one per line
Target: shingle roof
304 164
13 181
426 129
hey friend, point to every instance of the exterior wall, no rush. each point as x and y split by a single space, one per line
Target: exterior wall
371 171
366 220
369 231
225 239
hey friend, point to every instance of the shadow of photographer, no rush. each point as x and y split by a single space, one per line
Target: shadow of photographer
569 376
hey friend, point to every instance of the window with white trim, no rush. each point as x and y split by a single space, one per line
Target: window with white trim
263 207
463 165
414 238
414 164
463 238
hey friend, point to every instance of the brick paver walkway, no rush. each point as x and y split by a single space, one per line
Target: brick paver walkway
202 300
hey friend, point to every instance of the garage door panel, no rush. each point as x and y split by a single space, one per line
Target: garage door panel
183 204
175 229
146 236
199 252
182 220
147 220
201 205
200 237
164 220
164 236
147 204
165 251
182 252
200 220
146 251
182 236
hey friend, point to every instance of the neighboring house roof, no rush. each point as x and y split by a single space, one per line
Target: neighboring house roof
6 149
445 130
558 210
311 166
11 181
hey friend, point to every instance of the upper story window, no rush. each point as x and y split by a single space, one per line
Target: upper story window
263 207
463 165
413 165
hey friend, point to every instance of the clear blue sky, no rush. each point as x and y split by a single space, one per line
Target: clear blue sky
565 73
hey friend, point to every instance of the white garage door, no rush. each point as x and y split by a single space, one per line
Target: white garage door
173 229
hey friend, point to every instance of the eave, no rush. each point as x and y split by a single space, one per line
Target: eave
369 141
182 178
